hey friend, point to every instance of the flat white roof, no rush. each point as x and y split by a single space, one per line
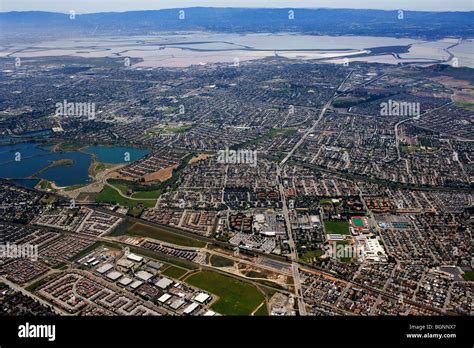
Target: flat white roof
114 275
335 237
164 298
374 246
164 283
134 257
202 297
269 233
104 268
209 313
125 281
136 284
191 308
143 275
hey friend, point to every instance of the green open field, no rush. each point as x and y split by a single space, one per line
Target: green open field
468 275
336 227
109 195
236 297
46 185
311 255
123 187
348 101
160 233
325 201
409 149
99 167
65 146
262 311
174 272
219 261
286 132
147 194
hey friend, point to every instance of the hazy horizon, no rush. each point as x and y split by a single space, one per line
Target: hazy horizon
91 6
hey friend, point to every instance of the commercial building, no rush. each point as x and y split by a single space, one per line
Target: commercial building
164 283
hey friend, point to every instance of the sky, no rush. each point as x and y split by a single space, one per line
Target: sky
90 6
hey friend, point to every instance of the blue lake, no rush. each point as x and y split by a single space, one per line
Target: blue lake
31 183
116 154
20 161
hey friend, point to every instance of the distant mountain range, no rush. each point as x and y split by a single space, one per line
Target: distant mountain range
427 25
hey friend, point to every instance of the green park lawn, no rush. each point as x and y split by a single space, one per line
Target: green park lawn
236 297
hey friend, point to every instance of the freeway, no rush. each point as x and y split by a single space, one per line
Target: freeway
291 243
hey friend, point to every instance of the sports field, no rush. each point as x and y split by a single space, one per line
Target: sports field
336 227
358 222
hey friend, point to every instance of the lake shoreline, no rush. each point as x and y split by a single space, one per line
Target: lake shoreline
61 166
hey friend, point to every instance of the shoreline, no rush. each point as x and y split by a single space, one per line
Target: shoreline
54 147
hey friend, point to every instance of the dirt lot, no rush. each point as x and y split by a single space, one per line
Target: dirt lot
161 175
200 157
463 90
